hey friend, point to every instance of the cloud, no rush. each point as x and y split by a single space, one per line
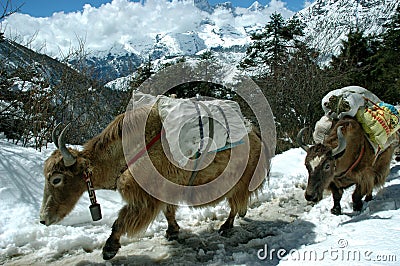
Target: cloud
123 23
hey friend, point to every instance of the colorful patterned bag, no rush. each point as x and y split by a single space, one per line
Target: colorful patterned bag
379 121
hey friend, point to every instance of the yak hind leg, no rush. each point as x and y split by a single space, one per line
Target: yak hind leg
238 204
337 194
173 227
225 227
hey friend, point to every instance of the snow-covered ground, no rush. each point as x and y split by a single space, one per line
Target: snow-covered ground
279 228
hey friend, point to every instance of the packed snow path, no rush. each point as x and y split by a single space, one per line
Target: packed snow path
278 219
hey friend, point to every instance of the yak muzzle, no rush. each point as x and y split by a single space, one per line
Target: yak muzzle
312 197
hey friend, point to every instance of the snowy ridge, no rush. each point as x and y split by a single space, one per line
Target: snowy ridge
279 218
328 22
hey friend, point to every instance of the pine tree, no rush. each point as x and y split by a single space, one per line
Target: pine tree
352 65
271 47
384 76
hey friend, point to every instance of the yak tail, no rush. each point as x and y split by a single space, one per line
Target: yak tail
263 167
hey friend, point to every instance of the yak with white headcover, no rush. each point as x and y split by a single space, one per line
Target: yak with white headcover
345 158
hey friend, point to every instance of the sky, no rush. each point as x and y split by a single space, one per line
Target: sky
45 8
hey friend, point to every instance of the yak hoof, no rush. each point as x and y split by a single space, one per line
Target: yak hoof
357 206
171 236
110 249
224 230
336 210
172 232
242 214
369 198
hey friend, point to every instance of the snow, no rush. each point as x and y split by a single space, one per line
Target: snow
329 22
279 228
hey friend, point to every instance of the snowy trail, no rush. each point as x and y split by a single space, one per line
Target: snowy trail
15 165
200 243
278 219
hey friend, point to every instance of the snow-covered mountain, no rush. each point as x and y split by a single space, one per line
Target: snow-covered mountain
120 35
329 21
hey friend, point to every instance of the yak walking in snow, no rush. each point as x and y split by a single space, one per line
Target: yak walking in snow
345 158
67 169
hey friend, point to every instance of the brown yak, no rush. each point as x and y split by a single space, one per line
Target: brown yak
345 158
103 156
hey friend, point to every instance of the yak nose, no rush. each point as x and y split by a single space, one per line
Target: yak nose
43 222
309 197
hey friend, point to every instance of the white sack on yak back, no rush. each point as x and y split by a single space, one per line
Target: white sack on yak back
181 124
353 95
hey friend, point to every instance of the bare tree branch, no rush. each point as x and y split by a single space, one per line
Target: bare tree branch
8 9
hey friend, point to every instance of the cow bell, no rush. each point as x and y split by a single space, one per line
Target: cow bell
95 211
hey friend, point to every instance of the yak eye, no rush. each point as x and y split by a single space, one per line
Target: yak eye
327 166
56 180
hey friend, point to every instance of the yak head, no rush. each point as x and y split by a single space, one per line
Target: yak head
320 163
64 183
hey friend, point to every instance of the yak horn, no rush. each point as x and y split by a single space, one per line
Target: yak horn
68 158
54 135
299 139
341 142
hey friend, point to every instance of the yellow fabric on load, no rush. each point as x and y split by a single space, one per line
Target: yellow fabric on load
379 122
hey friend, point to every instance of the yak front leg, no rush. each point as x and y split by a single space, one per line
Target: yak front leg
357 199
173 227
112 245
337 194
369 197
131 220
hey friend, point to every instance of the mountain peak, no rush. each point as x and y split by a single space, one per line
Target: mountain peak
256 6
203 5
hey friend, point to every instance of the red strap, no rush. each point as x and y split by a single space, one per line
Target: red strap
148 146
357 161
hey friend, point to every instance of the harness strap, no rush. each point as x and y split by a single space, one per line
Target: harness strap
356 161
196 105
228 130
148 146
200 156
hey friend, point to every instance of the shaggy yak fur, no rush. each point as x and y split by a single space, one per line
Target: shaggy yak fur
104 156
340 171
